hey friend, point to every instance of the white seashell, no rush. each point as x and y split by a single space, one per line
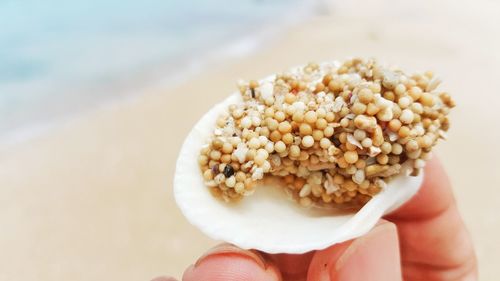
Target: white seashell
353 141
259 221
374 151
392 135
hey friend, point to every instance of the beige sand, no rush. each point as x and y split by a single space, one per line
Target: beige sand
92 200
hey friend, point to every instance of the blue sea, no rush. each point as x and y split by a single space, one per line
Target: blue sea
58 58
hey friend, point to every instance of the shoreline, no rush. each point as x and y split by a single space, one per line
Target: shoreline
162 77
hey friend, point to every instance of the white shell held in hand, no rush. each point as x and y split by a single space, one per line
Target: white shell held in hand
269 221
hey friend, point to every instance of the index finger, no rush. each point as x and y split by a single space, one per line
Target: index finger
435 244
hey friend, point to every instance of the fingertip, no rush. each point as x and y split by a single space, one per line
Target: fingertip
227 262
374 256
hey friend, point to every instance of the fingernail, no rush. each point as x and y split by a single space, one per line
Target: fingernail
228 249
374 256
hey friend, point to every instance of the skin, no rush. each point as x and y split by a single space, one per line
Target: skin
425 239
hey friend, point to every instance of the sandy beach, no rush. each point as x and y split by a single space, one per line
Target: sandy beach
92 200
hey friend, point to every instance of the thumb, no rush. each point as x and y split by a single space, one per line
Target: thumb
374 256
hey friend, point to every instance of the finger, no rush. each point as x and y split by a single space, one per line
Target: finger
434 242
374 256
229 263
292 267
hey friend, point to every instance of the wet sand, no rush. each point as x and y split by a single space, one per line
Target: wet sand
91 200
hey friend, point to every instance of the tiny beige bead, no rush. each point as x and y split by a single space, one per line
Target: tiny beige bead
279 146
328 132
406 116
365 95
360 164
285 127
358 108
351 157
240 176
372 109
275 136
386 147
298 116
317 135
427 99
394 125
290 98
411 145
425 141
321 113
253 84
294 151
404 132
269 147
269 112
367 142
202 160
344 122
239 187
305 129
382 159
375 87
321 123
307 141
338 179
215 155
325 143
272 124
287 138
246 122
330 116
263 152
359 134
350 146
226 158
400 89
254 143
279 116
230 182
208 175
311 117
389 95
259 159
404 102
397 149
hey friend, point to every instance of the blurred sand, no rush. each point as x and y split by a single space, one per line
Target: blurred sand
92 200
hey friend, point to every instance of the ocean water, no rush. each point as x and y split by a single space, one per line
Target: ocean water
60 57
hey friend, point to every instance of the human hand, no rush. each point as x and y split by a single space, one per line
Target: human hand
433 244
